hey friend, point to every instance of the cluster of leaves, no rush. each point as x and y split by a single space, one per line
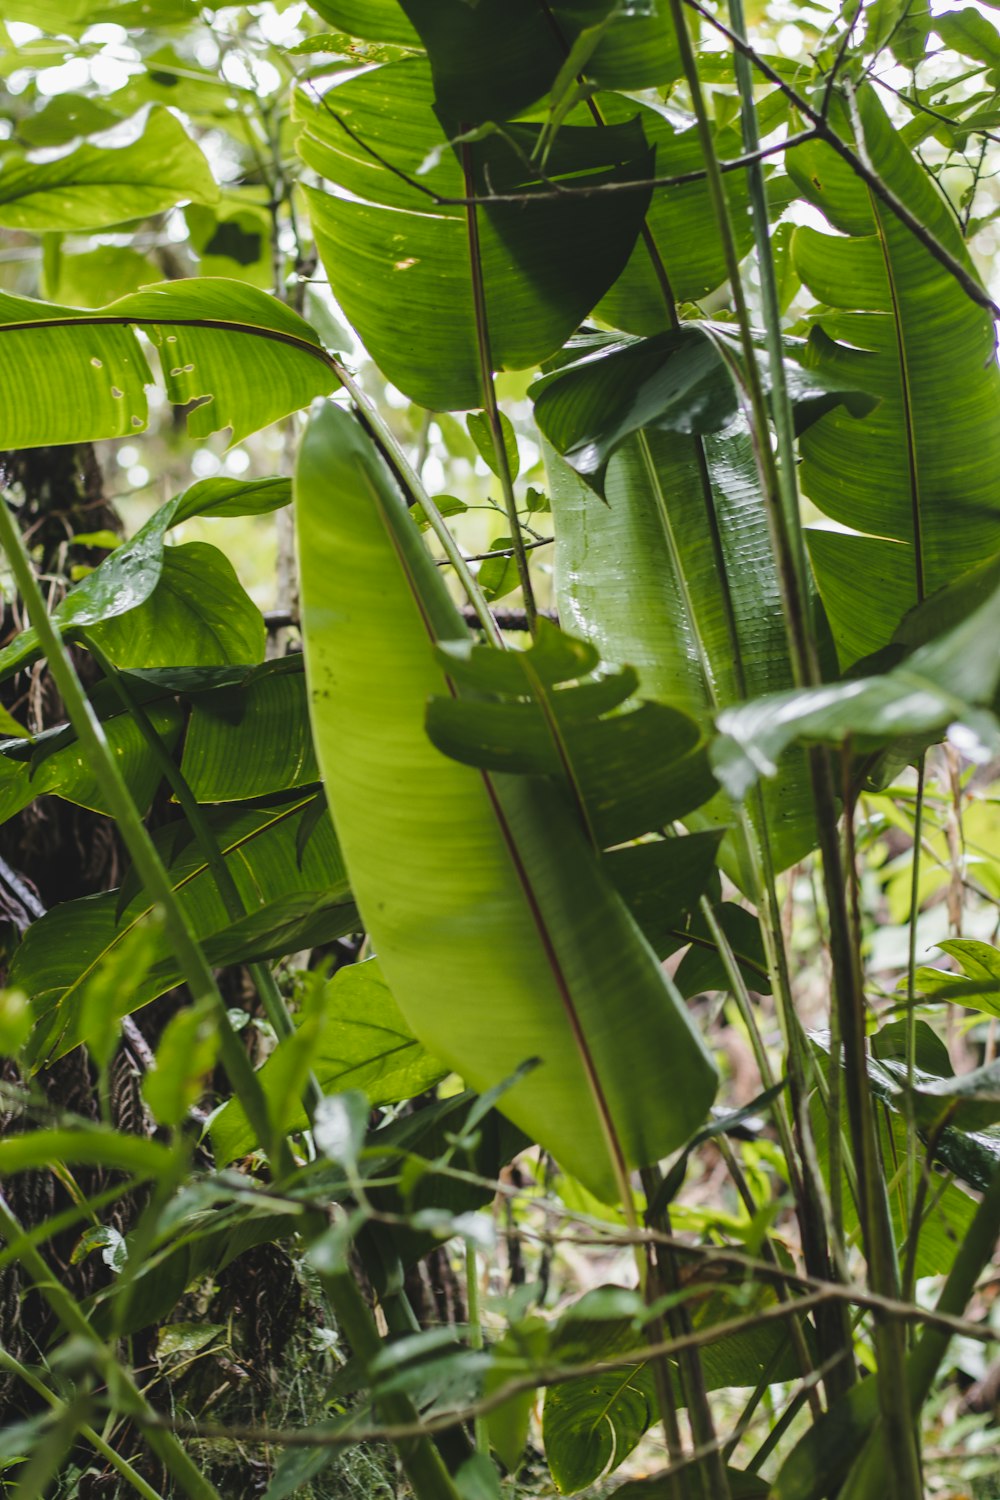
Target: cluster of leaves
525 837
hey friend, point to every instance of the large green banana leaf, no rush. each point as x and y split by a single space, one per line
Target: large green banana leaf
919 477
255 358
494 925
673 573
401 264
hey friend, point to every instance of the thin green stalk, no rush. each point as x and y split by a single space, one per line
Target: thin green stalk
911 991
916 1216
869 1476
714 1480
490 395
781 408
768 1253
89 1434
655 1277
275 1008
872 1204
74 1322
786 551
482 1429
420 1459
107 772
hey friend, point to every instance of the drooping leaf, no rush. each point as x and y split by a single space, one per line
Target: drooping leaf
416 827
939 684
917 477
96 185
250 353
493 59
680 225
420 323
661 880
675 382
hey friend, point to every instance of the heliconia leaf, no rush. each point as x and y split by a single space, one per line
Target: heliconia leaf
674 575
919 477
251 739
375 20
57 768
97 185
251 354
495 928
493 59
626 774
402 265
674 382
294 899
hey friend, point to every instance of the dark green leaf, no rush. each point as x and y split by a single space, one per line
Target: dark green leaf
429 297
94 186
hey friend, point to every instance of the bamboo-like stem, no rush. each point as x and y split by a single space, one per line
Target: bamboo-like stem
481 1427
74 1322
421 1461
785 526
911 992
767 1250
714 1481
659 1273
787 551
